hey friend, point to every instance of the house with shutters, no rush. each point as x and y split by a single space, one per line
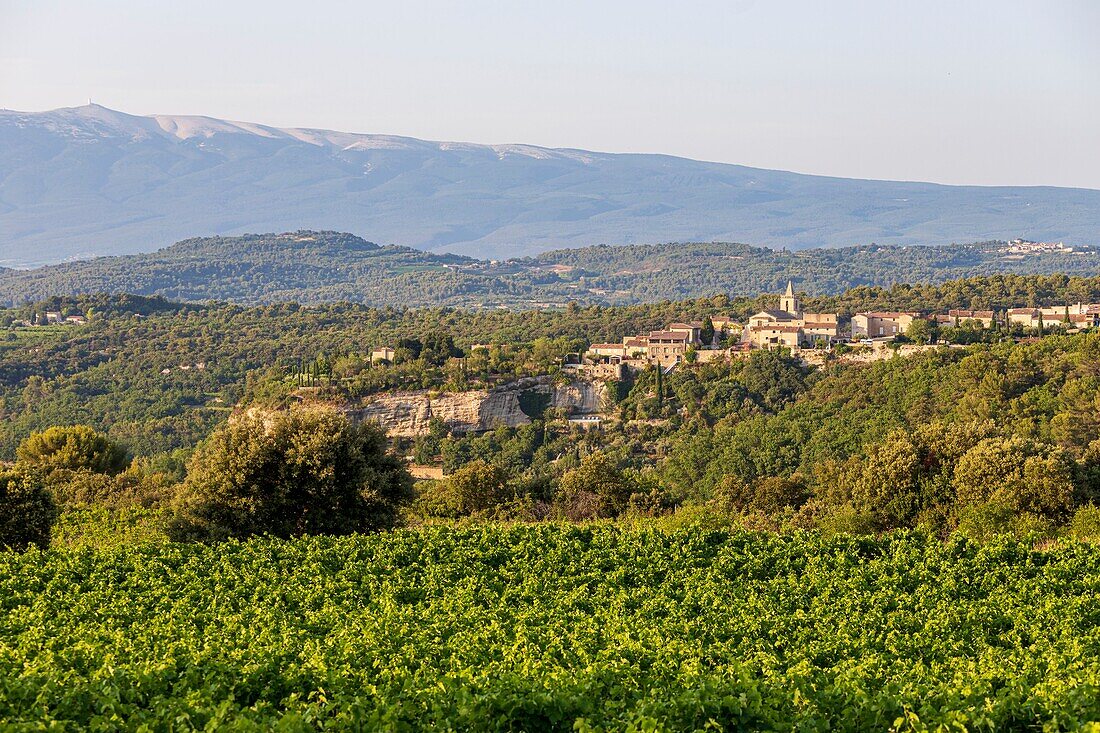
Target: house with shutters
882 324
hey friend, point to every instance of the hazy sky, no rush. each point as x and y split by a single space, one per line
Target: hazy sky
966 91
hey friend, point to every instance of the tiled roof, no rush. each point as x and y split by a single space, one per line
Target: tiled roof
888 314
777 315
780 329
970 314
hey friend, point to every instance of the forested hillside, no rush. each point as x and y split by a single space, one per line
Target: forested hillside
159 377
329 267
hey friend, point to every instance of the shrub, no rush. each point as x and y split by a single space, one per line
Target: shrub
595 488
1085 524
768 495
291 473
27 511
993 519
132 487
1023 475
476 487
846 520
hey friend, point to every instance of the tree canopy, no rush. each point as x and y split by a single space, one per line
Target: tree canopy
292 473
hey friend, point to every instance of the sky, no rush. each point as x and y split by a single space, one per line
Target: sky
968 91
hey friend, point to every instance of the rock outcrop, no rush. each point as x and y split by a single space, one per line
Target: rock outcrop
580 397
408 414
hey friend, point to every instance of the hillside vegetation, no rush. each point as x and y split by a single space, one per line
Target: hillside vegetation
991 437
327 267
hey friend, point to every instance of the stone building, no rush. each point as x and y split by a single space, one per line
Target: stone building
881 324
789 325
959 317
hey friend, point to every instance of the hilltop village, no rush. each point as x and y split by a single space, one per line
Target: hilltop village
789 326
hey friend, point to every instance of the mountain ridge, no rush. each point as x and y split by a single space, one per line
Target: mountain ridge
87 181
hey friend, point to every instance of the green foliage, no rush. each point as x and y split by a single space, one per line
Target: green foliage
327 267
476 487
596 488
73 448
919 331
706 333
1085 524
292 473
553 628
768 495
102 527
994 519
131 488
160 378
1017 473
774 377
27 511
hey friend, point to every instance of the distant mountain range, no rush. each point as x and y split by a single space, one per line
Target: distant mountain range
87 181
319 267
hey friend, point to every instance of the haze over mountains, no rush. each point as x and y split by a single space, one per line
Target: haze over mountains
87 181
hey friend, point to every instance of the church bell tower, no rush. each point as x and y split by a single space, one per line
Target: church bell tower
789 301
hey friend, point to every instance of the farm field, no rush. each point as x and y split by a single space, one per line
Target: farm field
551 627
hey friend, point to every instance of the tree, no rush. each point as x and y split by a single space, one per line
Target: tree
27 510
73 448
597 478
889 485
1088 473
291 473
706 335
919 331
769 495
438 348
1018 473
476 487
774 377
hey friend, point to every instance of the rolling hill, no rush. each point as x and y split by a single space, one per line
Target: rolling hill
88 181
326 267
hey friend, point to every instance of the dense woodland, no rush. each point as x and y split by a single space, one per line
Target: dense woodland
997 435
330 267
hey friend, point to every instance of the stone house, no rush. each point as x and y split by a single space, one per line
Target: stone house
666 348
610 351
383 354
1077 315
692 330
881 324
957 317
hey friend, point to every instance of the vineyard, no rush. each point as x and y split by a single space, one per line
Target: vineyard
553 628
